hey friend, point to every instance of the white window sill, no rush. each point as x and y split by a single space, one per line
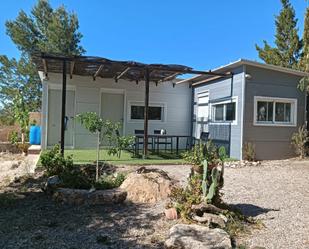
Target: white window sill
223 123
275 124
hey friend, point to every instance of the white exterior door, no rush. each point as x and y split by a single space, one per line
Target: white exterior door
112 107
54 117
202 114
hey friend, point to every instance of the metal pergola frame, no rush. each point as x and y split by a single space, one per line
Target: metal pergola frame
105 68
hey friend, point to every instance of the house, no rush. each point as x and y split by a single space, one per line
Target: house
242 102
260 104
169 107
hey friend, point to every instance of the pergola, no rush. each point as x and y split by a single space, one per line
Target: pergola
105 68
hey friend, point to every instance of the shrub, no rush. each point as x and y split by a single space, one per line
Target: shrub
249 151
54 162
202 151
13 137
110 181
299 141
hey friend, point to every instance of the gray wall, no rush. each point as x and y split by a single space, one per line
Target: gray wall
177 101
271 142
225 89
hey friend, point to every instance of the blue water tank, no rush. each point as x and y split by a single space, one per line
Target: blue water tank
35 135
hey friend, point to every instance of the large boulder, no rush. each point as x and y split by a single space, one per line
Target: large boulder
147 186
183 236
82 196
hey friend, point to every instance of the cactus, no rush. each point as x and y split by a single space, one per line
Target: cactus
204 181
215 176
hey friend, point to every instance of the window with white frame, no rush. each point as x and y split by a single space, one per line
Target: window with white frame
224 111
275 111
155 112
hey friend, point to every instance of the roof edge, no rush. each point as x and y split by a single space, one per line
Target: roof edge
241 62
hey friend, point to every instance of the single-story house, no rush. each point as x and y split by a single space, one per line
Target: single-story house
260 104
169 107
244 101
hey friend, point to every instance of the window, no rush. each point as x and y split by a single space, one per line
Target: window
224 112
154 112
275 111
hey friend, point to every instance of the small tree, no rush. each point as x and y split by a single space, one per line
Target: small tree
93 123
21 115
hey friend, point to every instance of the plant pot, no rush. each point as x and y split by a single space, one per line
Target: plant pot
171 214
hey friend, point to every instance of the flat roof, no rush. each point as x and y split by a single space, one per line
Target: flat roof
202 78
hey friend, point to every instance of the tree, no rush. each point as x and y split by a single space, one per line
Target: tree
93 123
45 29
304 62
19 76
287 51
21 115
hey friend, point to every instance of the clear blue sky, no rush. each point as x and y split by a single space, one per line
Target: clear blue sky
198 33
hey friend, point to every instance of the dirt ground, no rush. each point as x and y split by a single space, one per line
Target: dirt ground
31 219
277 192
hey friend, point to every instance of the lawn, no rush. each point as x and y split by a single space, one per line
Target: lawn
89 156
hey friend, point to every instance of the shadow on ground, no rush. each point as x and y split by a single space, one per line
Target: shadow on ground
31 219
252 210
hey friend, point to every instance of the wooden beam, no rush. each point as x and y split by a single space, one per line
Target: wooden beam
64 89
45 67
206 80
169 77
72 64
122 73
98 72
146 107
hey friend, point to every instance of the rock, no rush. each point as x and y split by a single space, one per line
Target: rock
171 214
149 186
82 196
211 220
183 236
199 209
52 183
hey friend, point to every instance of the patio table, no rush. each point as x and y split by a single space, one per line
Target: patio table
155 140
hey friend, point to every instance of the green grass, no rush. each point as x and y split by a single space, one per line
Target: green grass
89 156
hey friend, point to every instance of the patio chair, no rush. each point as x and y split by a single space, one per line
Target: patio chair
163 141
204 137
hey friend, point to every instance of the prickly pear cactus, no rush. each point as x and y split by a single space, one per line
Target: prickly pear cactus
215 176
204 181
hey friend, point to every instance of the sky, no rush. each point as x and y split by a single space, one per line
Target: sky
203 34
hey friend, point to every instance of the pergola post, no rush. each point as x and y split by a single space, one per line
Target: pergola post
145 149
64 89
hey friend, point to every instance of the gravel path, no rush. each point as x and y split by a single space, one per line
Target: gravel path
15 165
278 193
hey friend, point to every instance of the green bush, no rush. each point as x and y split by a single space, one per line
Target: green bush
202 151
300 140
110 181
75 176
54 162
13 137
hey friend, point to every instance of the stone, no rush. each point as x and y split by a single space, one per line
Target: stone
182 236
52 183
147 186
211 220
82 196
203 207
